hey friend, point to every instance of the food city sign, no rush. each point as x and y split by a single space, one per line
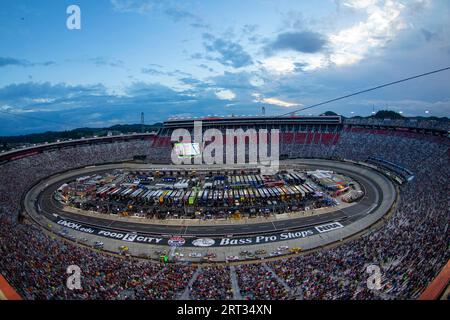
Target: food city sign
178 241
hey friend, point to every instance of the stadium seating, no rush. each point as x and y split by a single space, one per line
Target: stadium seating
410 248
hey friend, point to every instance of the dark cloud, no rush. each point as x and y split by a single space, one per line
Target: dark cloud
169 8
94 106
142 91
135 6
178 14
299 67
190 81
204 66
8 61
229 53
5 61
196 55
429 35
22 93
152 72
102 61
303 41
45 64
234 81
159 71
249 28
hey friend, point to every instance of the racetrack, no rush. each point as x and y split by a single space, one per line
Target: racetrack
379 197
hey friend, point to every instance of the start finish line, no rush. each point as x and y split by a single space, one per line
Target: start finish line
179 241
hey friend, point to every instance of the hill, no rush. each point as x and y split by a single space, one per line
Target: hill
52 136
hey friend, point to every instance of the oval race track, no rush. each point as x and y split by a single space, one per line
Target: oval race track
379 196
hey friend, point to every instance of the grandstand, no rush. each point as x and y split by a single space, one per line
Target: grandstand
411 247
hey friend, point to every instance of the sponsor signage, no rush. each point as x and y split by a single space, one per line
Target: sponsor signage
130 237
178 241
329 227
203 242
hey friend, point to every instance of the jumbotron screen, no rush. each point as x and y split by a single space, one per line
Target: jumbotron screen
187 150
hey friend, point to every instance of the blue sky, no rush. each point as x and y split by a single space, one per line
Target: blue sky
198 57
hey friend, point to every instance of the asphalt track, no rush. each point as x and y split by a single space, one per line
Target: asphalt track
372 200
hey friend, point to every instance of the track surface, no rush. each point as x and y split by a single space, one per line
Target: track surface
371 202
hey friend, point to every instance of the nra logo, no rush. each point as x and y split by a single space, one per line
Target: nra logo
329 227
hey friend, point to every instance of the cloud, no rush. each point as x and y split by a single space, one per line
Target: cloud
293 19
377 24
234 80
367 44
204 66
303 41
179 14
5 61
225 94
360 4
173 11
279 65
154 93
190 81
274 101
102 61
249 28
25 94
49 101
383 22
429 35
158 70
134 6
152 71
55 103
229 53
8 61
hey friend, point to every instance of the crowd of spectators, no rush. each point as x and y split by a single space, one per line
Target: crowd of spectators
410 249
36 265
212 283
405 123
18 175
258 283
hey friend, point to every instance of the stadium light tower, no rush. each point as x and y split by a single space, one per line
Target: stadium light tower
142 122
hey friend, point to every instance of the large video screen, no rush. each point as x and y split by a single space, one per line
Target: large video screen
187 150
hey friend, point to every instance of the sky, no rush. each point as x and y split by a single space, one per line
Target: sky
196 58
